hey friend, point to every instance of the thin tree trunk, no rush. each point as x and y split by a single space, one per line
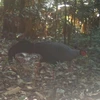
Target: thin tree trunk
74 14
64 32
56 18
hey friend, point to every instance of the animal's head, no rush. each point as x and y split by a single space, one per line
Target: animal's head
83 52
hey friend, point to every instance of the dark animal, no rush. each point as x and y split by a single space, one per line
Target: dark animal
20 47
51 52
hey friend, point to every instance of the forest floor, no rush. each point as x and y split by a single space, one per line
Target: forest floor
55 82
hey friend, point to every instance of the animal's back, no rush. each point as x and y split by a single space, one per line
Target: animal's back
52 51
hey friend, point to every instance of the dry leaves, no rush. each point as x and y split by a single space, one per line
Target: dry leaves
55 82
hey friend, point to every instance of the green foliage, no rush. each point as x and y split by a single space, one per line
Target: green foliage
46 15
84 12
1 3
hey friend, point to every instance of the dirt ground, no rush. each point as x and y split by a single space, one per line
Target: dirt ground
79 80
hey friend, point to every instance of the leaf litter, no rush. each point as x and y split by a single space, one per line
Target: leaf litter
19 81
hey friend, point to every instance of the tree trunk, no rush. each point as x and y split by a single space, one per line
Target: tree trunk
64 31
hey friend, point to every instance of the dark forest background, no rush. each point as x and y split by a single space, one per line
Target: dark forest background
75 23
44 18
